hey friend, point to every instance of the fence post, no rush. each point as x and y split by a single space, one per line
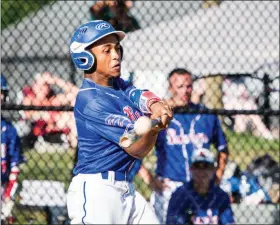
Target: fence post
266 103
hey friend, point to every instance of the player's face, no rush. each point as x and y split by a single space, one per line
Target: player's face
108 56
181 88
202 173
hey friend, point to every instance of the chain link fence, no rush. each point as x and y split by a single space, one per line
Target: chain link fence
232 49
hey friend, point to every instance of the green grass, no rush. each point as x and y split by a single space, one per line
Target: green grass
43 166
58 166
48 166
26 215
245 147
12 11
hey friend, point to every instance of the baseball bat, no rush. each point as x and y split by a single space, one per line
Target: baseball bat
141 127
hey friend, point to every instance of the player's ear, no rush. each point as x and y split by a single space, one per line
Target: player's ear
170 91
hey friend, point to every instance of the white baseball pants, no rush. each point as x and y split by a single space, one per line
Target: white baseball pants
94 200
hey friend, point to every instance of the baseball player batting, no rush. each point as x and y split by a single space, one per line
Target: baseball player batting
101 191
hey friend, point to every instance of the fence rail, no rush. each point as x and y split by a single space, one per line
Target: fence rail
176 110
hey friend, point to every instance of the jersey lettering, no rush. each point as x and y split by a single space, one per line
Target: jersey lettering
209 218
197 139
114 120
130 114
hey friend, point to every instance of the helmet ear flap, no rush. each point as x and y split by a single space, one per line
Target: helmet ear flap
94 64
83 60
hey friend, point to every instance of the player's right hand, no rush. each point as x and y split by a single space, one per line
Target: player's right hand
164 111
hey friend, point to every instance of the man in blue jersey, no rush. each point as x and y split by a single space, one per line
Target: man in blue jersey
175 145
199 201
101 192
11 157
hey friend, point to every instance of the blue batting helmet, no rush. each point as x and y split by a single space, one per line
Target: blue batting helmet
86 35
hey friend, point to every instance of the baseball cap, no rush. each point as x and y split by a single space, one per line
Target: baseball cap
203 155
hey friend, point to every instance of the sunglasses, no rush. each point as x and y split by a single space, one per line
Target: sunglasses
202 165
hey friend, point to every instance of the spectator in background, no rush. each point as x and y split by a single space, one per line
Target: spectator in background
115 12
236 97
11 157
199 201
208 90
175 145
40 93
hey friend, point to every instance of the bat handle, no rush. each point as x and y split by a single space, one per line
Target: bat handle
156 121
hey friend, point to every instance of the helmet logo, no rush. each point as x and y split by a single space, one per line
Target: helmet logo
83 30
102 26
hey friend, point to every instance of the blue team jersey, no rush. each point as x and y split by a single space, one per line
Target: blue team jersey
103 115
134 170
186 132
11 152
186 206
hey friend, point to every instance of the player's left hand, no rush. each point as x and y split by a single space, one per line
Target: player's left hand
218 177
164 111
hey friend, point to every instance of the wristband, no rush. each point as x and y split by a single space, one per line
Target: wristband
147 98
